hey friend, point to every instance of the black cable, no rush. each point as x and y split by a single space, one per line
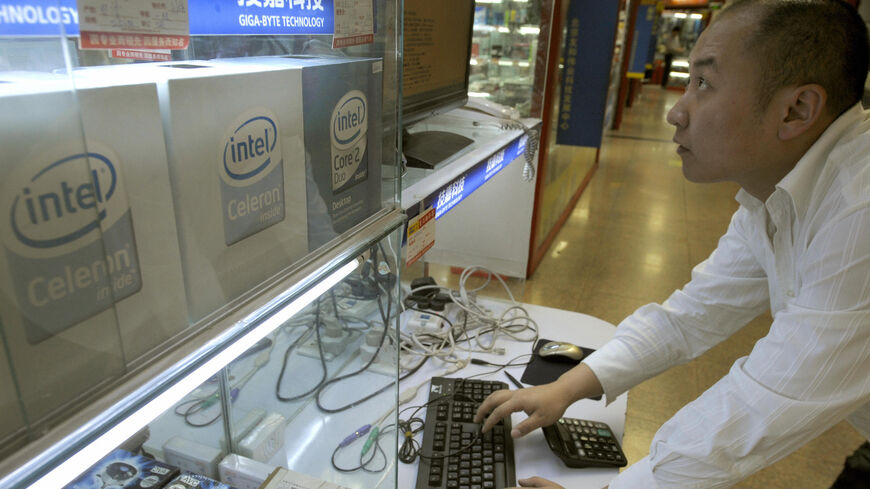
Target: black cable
384 316
196 405
410 448
364 464
287 355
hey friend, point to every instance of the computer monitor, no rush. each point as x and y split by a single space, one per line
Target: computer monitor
437 50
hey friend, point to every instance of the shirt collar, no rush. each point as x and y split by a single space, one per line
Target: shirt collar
799 182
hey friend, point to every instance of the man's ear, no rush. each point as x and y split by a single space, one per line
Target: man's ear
803 106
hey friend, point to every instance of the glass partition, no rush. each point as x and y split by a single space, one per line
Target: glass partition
162 189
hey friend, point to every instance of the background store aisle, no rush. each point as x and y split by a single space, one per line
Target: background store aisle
634 236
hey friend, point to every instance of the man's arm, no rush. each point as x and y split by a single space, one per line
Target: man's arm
727 290
806 375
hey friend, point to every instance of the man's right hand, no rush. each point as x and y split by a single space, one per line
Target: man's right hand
544 404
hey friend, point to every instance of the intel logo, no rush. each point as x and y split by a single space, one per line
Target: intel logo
251 147
349 119
63 201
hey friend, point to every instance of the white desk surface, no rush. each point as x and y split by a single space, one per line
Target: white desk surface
312 435
533 456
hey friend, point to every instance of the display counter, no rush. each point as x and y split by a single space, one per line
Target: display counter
194 201
477 224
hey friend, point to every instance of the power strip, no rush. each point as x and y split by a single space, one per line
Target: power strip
334 339
385 363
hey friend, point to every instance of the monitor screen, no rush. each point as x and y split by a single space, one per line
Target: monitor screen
437 46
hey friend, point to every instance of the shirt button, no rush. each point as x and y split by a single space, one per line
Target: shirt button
789 293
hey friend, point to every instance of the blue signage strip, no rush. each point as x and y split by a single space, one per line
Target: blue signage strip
643 37
215 17
588 53
207 17
38 17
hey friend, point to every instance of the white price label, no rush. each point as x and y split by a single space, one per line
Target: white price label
421 235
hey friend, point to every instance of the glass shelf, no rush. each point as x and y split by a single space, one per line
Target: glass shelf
504 52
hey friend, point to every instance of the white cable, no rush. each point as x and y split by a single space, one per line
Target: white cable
479 322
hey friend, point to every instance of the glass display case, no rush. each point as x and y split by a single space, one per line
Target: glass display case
199 270
505 51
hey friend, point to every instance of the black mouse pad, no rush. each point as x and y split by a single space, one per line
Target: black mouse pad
542 370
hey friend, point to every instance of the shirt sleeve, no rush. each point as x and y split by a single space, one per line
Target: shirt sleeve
807 374
726 291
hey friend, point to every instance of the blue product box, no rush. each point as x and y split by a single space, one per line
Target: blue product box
189 480
124 470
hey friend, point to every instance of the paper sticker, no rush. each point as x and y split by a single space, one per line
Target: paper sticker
133 24
354 23
421 235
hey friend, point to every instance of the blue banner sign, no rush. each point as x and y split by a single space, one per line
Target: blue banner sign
227 17
643 37
588 53
207 17
38 17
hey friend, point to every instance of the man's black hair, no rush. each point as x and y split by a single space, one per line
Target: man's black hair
797 42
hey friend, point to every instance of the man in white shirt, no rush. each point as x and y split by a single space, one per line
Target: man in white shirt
772 104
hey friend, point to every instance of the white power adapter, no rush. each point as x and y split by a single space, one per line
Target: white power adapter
243 473
192 456
265 439
244 426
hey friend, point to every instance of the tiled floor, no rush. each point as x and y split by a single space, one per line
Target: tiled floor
632 239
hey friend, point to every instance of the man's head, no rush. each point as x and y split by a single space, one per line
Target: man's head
766 79
797 42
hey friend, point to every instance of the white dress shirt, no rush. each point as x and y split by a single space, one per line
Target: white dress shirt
805 255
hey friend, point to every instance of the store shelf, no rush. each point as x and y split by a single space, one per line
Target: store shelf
456 178
86 426
239 207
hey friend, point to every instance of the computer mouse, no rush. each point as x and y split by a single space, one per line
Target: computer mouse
561 350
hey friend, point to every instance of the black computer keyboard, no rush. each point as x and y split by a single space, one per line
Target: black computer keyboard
454 453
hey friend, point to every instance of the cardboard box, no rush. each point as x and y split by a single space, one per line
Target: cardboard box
283 478
12 420
235 145
244 473
342 100
124 470
127 114
90 259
